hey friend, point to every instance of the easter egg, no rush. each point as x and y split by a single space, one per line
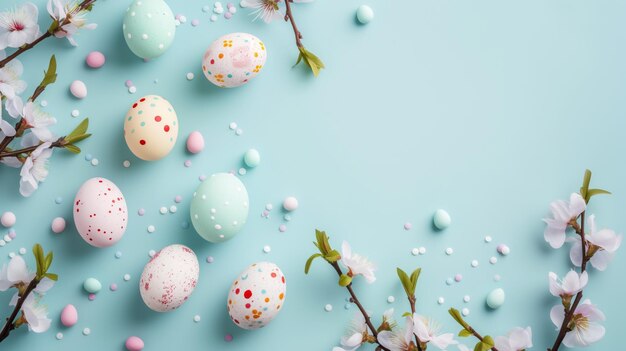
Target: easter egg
257 295
69 316
219 208
495 298
151 128
100 212
234 59
441 219
149 27
169 278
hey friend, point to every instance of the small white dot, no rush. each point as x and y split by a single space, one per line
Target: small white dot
213 210
161 46
242 171
126 163
173 209
86 331
210 259
95 162
126 277
75 113
203 197
118 254
151 253
465 311
43 103
391 299
267 249
415 251
151 228
449 251
129 36
132 89
441 300
221 236
22 251
133 13
196 318
59 336
149 15
11 254
163 210
144 36
269 207
195 216
474 263
182 19
466 298
2 243
190 76
493 260
213 18
232 125
218 227
422 250
328 308
496 278
488 239
239 132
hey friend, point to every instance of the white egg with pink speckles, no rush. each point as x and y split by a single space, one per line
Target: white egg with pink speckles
233 59
257 295
169 278
100 212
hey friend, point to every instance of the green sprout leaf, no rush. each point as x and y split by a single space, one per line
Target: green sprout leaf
464 333
73 140
80 129
307 266
457 317
488 340
414 277
593 192
51 73
72 148
345 280
333 256
406 282
312 61
52 276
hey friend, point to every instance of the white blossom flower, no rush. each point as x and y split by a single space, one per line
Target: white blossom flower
357 264
585 327
64 9
604 243
35 314
16 273
516 340
463 347
399 339
563 214
35 169
19 26
569 286
355 335
267 10
426 330
38 121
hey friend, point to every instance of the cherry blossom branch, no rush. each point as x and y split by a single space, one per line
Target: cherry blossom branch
27 150
469 330
569 314
9 326
55 27
312 61
289 17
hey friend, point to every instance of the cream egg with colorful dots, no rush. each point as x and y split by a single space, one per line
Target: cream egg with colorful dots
151 128
257 295
233 59
100 212
169 278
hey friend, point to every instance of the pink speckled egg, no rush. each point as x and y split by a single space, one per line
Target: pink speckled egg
233 59
169 278
100 212
257 295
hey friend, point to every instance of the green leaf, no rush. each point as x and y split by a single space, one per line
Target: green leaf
39 259
52 276
333 256
488 341
312 61
48 261
51 73
345 280
593 192
75 139
465 333
414 277
72 148
585 187
307 266
406 282
479 346
322 242
457 317
80 129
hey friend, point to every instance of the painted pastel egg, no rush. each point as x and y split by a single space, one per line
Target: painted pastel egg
169 278
257 295
100 212
151 128
149 27
234 59
219 208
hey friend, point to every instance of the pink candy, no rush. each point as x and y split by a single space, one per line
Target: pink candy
228 338
95 59
195 142
69 316
134 343
78 89
8 219
58 225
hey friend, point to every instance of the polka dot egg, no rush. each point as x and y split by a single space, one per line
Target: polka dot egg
234 59
169 278
100 212
257 295
151 128
149 27
219 208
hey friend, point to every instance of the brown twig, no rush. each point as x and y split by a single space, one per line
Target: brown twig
356 301
417 339
58 143
9 324
289 17
82 6
569 313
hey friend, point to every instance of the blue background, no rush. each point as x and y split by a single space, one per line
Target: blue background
489 109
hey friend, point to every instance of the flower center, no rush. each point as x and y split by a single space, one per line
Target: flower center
579 321
17 26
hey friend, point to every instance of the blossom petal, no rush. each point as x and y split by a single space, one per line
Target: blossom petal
571 283
575 253
601 259
606 239
420 328
520 338
7 128
555 288
17 271
589 310
501 343
557 315
576 205
443 341
352 341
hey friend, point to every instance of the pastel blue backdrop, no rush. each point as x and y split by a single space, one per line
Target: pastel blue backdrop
488 109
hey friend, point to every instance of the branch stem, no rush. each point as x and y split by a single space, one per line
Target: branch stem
9 324
27 150
289 17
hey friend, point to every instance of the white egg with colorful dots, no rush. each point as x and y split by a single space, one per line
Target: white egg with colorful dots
219 207
169 278
257 295
100 212
233 59
151 128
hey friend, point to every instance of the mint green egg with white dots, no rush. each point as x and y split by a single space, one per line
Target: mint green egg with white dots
149 28
219 208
